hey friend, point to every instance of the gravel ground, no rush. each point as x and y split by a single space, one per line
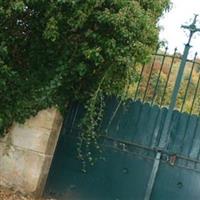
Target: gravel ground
6 194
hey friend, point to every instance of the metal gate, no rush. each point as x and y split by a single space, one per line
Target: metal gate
150 151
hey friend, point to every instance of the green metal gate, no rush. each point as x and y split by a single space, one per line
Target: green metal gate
150 150
129 147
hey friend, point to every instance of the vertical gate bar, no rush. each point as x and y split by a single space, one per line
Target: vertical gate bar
74 118
138 85
198 157
195 133
188 83
184 99
149 78
156 128
160 113
165 136
168 76
152 66
195 94
155 131
196 126
113 115
185 131
152 176
158 79
67 118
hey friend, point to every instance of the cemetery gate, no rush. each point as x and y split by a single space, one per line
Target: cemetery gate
148 152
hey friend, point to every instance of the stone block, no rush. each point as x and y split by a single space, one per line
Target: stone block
26 152
44 119
22 169
30 138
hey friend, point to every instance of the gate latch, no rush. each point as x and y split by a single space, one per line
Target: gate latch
172 159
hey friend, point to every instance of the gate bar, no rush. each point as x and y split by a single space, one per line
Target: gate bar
165 132
153 176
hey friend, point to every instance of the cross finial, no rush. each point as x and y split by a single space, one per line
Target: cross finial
192 28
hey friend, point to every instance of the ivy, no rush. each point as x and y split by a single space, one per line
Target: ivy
58 51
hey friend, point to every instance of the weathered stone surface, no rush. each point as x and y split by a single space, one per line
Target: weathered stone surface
44 119
26 152
11 194
35 139
19 167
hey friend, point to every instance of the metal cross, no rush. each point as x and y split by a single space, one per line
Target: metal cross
192 28
165 131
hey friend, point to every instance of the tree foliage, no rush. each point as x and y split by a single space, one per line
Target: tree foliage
58 51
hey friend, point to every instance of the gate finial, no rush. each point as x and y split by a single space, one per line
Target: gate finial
192 28
165 135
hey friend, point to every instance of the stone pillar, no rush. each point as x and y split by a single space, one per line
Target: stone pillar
27 151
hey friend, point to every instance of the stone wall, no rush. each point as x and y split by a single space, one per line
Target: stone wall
27 151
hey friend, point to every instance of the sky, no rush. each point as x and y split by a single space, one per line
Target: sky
181 13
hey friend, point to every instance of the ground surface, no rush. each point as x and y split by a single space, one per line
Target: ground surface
6 194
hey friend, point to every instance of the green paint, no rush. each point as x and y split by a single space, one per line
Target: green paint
165 132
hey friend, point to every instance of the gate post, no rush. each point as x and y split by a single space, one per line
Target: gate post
165 131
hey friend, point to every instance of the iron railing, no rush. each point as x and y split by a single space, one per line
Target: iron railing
157 79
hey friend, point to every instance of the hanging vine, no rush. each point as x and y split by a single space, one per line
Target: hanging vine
57 51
